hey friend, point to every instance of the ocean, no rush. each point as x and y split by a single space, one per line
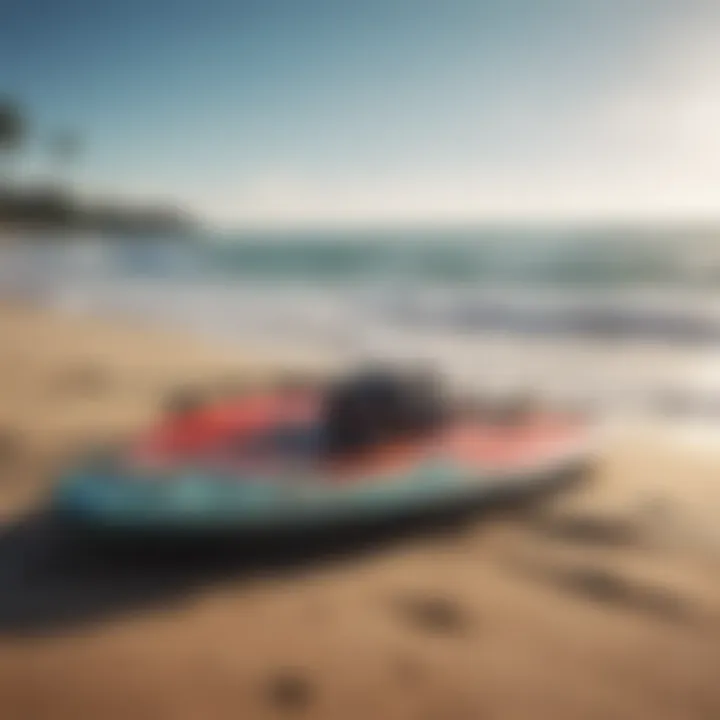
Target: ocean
625 317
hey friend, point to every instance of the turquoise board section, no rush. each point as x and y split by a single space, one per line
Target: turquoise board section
107 497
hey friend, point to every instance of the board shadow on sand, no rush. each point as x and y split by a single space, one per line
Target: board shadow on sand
54 577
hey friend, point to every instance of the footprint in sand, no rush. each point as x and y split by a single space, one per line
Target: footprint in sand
606 586
290 690
588 530
434 614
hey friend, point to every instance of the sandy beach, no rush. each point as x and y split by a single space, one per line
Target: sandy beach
602 604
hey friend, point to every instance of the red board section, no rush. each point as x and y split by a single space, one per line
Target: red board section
223 433
205 430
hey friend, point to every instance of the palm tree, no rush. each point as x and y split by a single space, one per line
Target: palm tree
12 134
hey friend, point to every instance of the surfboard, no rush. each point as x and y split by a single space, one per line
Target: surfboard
257 464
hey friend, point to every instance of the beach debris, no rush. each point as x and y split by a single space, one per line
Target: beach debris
290 690
432 613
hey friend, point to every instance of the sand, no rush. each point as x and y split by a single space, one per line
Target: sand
604 604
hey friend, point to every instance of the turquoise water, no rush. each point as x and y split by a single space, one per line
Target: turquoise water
470 257
560 257
605 311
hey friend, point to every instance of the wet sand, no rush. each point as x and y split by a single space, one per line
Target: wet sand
604 603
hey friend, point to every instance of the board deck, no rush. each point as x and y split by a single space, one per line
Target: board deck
258 463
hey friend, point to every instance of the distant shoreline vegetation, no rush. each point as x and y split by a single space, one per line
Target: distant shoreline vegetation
52 209
52 205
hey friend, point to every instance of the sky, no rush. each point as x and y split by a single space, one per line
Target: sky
345 112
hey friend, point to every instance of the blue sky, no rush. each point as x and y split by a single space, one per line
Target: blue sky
296 112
